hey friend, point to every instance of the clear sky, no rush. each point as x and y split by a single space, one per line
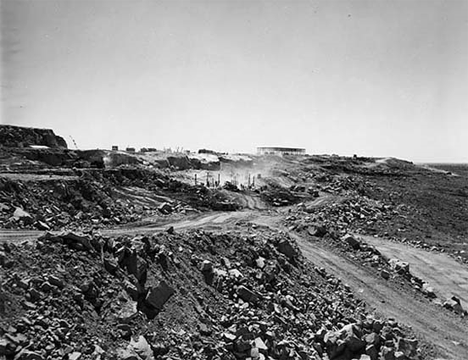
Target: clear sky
376 78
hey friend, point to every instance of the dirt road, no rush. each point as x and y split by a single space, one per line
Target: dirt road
19 236
444 274
436 325
216 220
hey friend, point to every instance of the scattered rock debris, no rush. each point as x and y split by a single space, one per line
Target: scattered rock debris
195 295
234 294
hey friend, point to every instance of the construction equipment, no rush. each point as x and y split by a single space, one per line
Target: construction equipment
74 142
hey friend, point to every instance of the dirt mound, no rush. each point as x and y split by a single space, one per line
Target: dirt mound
197 295
99 198
17 136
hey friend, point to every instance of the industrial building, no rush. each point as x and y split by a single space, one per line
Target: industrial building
268 150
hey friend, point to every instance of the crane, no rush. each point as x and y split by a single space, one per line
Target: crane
74 142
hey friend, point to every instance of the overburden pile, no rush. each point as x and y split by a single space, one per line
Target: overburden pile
17 136
195 295
100 197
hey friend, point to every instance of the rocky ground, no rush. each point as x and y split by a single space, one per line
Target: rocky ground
108 255
196 295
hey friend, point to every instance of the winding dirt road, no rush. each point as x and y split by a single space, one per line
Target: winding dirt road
441 328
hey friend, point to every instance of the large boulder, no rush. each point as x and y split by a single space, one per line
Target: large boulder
285 247
344 343
246 294
142 348
165 208
20 214
351 241
408 347
158 295
127 311
399 266
453 304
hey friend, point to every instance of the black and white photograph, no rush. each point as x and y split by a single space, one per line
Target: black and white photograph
234 179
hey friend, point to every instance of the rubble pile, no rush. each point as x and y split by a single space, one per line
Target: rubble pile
55 204
100 198
394 268
336 184
196 295
364 206
245 292
420 205
354 213
278 196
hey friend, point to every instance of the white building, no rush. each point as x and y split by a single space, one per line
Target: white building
268 150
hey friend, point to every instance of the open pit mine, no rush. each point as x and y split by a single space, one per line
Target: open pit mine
139 255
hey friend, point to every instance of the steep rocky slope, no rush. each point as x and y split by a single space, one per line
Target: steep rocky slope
196 295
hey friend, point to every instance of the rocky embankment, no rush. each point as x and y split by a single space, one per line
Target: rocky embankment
195 295
17 136
90 198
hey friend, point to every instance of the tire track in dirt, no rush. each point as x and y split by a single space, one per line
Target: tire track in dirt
436 325
444 274
212 220
18 236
